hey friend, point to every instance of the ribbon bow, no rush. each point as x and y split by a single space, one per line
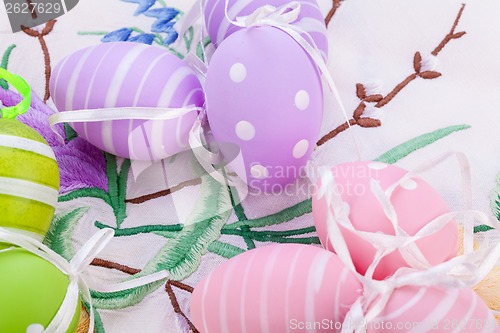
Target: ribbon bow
463 271
74 270
269 15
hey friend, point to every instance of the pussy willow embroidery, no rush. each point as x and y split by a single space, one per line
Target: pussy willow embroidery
378 101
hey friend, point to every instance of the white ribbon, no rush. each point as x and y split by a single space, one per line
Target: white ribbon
118 113
74 270
463 271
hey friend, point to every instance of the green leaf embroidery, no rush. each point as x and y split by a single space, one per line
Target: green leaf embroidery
405 149
123 299
60 235
181 256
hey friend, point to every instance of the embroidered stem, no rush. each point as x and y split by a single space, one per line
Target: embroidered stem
331 13
113 265
164 193
49 26
383 101
175 303
452 34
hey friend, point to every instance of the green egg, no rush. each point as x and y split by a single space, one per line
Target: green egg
29 178
32 292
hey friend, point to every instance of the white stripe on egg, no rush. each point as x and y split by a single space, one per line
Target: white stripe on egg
338 291
289 291
234 11
408 306
467 318
244 292
25 144
204 304
264 292
224 320
440 311
314 282
70 93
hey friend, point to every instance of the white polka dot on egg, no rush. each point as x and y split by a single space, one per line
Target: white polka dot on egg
35 328
302 100
300 149
259 171
245 130
238 72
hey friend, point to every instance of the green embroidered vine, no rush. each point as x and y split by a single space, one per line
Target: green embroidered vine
405 149
117 189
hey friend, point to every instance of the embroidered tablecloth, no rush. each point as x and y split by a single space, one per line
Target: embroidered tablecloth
418 78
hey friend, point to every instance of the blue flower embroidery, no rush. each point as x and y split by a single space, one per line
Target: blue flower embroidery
164 22
120 35
143 5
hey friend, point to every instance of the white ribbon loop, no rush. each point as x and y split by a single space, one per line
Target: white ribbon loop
123 113
269 15
74 269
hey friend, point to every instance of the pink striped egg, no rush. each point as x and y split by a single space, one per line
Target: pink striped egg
124 74
264 95
434 309
219 28
416 204
277 288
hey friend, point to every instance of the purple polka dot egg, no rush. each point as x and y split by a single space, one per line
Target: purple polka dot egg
219 28
123 74
264 94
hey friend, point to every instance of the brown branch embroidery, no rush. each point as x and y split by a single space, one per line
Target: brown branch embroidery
49 26
175 303
168 286
382 101
331 13
164 193
113 265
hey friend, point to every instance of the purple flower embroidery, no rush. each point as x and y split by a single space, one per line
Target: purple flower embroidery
81 165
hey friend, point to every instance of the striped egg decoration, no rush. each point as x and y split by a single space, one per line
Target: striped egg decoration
434 309
278 289
219 28
124 74
29 179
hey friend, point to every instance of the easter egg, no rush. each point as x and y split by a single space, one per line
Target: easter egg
32 292
415 202
29 179
123 74
434 309
264 95
275 289
219 28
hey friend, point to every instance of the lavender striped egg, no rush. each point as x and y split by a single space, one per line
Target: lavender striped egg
278 289
219 28
434 309
124 74
264 95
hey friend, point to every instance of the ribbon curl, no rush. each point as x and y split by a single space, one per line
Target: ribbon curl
466 270
74 270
